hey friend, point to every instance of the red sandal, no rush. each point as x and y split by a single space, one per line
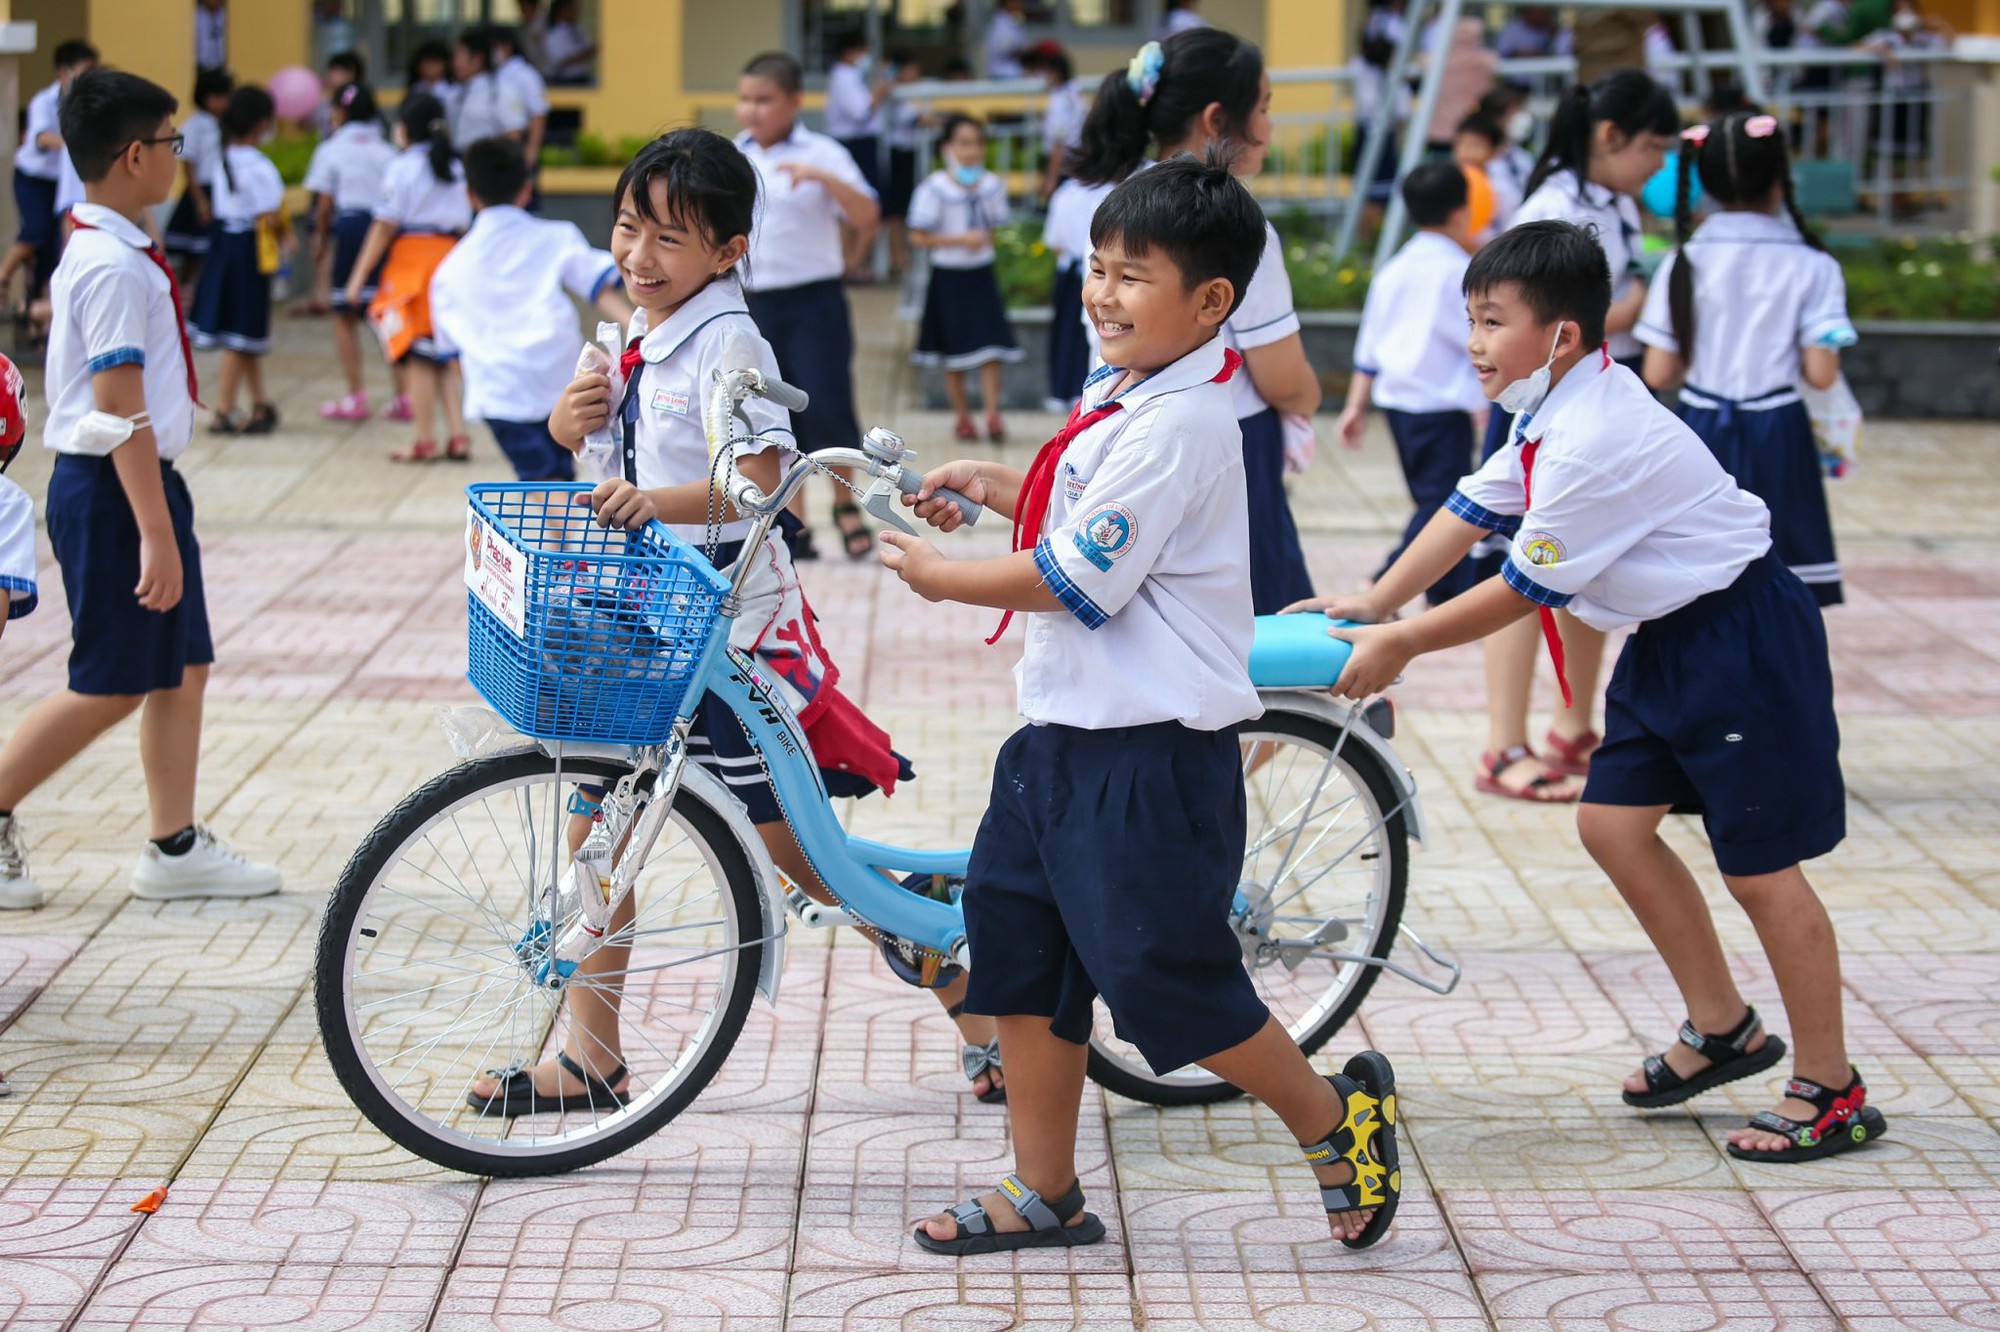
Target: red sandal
1571 757
420 451
1535 792
458 449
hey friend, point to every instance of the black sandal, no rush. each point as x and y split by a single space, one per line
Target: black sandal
263 420
1729 1059
1844 1121
1366 1140
1048 1224
855 537
517 1095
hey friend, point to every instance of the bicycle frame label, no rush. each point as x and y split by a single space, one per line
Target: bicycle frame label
770 708
497 573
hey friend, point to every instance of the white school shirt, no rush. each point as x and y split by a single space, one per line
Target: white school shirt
17 549
349 167
113 307
202 150
211 38
851 112
41 163
69 185
258 188
1063 117
500 302
1412 337
1633 516
1066 229
1005 36
1265 316
943 205
1760 294
796 237
670 444
530 91
414 198
1146 544
1613 216
482 108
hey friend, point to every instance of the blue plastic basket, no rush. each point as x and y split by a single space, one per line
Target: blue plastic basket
613 623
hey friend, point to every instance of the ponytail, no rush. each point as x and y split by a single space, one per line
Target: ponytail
424 122
1680 282
249 107
1160 95
1629 99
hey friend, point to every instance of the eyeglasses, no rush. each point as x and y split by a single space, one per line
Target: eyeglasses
179 141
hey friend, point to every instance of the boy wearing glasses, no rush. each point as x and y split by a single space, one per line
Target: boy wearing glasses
121 392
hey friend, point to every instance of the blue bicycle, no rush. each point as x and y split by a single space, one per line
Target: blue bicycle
486 911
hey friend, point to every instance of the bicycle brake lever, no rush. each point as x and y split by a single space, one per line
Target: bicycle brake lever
880 500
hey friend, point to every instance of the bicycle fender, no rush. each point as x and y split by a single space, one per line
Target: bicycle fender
696 779
1322 706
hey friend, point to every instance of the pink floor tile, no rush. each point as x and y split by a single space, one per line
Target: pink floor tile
1934 1299
1866 1230
970 1298
41 1293
940 1159
1640 988
1649 1230
1514 1003
27 964
263 1296
494 1299
1315 1298
1662 1301
871 1228
66 1218
776 1059
343 1223
1255 1232
888 1048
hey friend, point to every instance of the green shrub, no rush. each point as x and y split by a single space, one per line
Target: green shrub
292 154
1025 266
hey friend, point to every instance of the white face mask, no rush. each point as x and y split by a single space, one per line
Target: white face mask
1521 126
1525 395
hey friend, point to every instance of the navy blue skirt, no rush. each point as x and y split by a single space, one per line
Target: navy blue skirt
812 335
1771 453
185 233
35 200
232 302
350 233
1069 343
1278 574
965 321
118 646
902 183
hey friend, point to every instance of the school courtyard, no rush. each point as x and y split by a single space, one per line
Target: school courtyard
174 1046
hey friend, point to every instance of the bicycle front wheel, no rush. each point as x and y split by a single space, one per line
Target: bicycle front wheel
1325 868
426 970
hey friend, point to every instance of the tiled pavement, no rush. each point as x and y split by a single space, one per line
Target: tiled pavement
170 1045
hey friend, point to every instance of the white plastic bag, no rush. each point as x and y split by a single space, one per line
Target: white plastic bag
1836 424
1301 444
475 732
599 458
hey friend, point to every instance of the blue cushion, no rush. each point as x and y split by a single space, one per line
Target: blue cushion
1295 651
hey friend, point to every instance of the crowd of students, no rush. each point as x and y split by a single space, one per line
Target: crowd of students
1153 527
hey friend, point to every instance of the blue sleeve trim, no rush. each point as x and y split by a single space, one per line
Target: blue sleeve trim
1458 506
116 357
19 605
1369 370
1289 314
1098 375
1530 589
1073 598
610 275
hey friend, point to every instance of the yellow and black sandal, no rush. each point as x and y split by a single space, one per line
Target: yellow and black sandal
1366 1140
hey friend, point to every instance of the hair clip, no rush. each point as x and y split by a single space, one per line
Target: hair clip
1695 134
1142 72
1760 127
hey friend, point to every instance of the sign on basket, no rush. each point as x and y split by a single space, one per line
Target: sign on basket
497 573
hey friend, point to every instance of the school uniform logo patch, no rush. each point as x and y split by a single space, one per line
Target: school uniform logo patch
1543 550
1106 534
665 400
1073 485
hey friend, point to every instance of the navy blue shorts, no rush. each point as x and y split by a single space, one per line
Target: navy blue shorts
232 301
35 202
350 234
812 335
867 154
118 646
1771 453
1106 864
1436 452
1278 574
1069 342
533 450
1725 708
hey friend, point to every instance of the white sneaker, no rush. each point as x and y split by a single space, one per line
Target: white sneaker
18 892
208 869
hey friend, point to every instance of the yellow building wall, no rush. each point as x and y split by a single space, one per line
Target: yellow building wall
56 21
268 36
151 38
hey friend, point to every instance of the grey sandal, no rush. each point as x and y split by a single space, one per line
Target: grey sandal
1048 1224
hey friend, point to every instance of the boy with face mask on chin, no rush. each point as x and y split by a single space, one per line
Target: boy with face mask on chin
1722 702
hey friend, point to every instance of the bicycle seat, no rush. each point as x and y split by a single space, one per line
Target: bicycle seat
1295 652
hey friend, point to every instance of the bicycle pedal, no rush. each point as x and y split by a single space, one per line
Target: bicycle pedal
554 973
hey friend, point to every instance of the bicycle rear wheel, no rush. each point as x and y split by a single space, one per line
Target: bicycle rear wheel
422 982
1327 856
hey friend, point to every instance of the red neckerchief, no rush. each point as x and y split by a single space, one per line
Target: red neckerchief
1040 483
630 359
1550 634
180 320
